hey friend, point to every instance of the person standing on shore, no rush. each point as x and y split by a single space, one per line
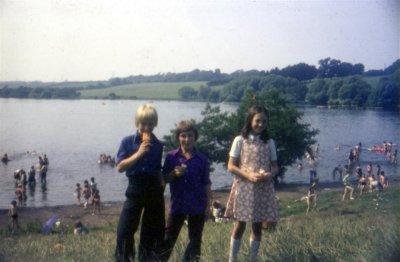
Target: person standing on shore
348 189
140 155
188 172
19 194
253 162
78 193
312 163
13 215
86 194
96 201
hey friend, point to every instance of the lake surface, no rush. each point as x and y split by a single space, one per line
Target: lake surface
73 133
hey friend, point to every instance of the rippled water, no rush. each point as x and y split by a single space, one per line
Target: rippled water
73 133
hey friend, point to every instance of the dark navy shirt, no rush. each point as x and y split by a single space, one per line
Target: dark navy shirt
188 192
150 163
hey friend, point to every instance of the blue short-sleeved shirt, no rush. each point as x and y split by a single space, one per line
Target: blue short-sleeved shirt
150 163
188 192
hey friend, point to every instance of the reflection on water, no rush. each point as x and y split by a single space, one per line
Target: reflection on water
43 190
74 133
31 189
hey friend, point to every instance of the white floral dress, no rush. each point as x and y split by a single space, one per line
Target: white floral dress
248 201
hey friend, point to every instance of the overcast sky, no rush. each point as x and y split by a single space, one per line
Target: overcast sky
77 40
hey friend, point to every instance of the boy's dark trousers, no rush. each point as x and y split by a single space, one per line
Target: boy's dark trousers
195 229
144 194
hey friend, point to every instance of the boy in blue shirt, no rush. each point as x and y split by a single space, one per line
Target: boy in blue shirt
139 156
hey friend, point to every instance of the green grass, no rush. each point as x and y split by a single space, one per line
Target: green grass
365 229
154 91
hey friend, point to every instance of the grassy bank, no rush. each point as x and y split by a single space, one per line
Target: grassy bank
156 91
365 229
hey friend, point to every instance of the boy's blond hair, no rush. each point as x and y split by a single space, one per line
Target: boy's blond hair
146 112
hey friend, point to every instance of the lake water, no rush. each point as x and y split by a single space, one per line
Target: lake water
73 133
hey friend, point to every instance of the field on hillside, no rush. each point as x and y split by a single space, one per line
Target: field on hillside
142 91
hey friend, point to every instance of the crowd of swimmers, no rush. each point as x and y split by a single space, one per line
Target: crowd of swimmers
22 180
89 192
369 179
106 159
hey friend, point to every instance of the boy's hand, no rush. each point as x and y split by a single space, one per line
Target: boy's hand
144 148
180 170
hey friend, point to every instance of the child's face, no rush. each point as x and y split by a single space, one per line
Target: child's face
146 126
187 140
259 123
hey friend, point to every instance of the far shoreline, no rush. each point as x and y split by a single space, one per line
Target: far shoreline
297 105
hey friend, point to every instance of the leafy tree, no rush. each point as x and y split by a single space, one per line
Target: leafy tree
393 67
217 129
5 92
113 96
204 92
187 92
236 89
387 92
214 96
354 90
329 68
300 71
317 92
333 91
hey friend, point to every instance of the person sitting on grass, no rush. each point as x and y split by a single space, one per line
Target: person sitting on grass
80 229
348 189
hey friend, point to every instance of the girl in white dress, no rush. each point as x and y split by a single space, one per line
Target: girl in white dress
253 162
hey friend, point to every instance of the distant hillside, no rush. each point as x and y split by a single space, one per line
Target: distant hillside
65 84
154 91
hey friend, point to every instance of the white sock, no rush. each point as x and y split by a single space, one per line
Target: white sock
254 246
234 249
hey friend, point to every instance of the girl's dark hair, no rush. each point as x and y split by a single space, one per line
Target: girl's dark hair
251 112
186 126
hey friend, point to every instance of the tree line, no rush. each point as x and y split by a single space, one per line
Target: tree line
333 83
346 91
327 68
39 92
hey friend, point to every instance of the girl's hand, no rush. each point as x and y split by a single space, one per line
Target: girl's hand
254 177
266 176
